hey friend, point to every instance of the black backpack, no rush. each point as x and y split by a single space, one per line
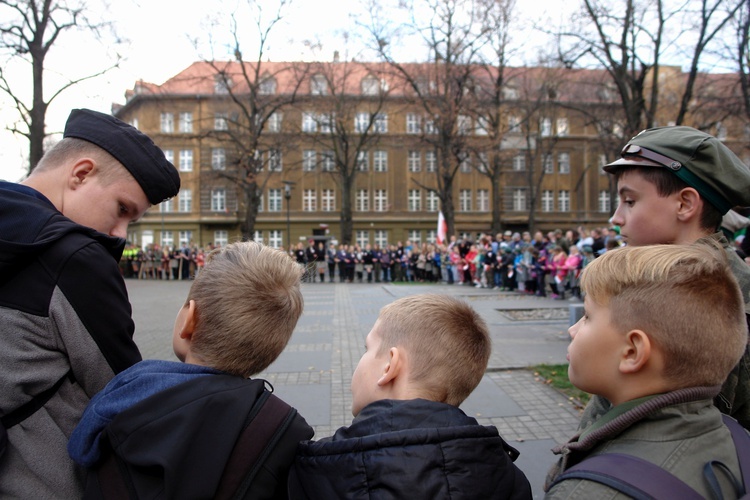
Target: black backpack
643 480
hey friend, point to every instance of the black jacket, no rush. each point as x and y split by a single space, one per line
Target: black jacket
409 449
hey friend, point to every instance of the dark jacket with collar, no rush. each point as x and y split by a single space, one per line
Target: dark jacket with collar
409 449
64 310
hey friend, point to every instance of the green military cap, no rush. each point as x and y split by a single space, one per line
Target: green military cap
699 159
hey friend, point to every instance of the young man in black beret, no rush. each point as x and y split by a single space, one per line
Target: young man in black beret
675 184
65 324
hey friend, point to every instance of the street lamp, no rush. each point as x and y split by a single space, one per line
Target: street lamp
288 196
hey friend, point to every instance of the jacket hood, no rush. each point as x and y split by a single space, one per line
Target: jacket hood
30 224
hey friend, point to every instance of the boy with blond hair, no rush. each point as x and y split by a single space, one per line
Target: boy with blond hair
663 325
181 429
424 356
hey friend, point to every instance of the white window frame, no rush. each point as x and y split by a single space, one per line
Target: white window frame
218 159
563 128
275 203
380 123
413 123
363 161
430 160
221 238
563 200
519 200
186 160
273 124
362 203
519 163
309 122
219 200
362 238
327 161
167 239
380 160
464 200
483 200
167 123
185 201
605 202
381 200
433 201
381 237
275 238
414 160
545 127
186 122
309 160
414 200
309 200
328 200
548 200
221 121
563 163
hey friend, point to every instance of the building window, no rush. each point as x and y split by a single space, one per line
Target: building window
514 123
563 163
327 160
258 236
464 200
167 239
186 160
326 121
363 163
361 122
167 123
267 86
548 201
218 159
219 200
380 123
275 238
519 200
430 127
274 122
415 200
274 160
169 155
362 203
309 122
604 201
483 200
370 85
519 163
274 200
430 161
431 236
562 127
308 160
328 200
548 164
261 203
186 237
363 238
221 238
309 200
602 163
414 161
381 238
433 202
186 123
563 200
221 121
166 206
185 201
463 124
222 83
380 161
545 127
464 162
483 126
510 93
415 236
413 123
483 163
318 85
381 200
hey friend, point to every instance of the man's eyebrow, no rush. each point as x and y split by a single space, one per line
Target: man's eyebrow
625 190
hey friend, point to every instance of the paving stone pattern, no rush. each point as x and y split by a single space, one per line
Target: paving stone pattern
314 372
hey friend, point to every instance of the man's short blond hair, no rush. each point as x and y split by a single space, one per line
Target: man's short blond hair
684 297
248 301
446 342
71 149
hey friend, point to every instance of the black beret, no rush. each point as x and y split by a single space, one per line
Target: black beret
135 150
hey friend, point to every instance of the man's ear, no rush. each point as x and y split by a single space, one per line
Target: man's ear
636 352
82 169
392 369
690 204
188 326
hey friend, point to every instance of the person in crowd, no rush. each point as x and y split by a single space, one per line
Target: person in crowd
573 265
141 420
675 184
377 257
662 328
66 324
331 256
341 262
367 260
300 256
424 356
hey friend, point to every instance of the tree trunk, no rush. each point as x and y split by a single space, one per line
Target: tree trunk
252 199
497 223
347 226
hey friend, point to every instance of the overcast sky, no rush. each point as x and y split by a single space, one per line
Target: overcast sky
159 48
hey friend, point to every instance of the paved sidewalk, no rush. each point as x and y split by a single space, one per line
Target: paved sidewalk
314 372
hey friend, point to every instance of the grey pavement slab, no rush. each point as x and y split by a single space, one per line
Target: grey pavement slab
314 371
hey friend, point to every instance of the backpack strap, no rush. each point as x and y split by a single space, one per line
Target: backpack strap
267 422
741 440
630 475
28 409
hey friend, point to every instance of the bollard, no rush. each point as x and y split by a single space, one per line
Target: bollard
575 312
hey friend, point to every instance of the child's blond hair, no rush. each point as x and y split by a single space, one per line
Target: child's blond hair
248 301
446 341
684 297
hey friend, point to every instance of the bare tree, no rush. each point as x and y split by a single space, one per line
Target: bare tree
743 55
29 30
258 92
350 122
450 32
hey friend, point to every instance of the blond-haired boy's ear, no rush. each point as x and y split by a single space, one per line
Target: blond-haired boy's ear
392 368
636 352
690 204
188 324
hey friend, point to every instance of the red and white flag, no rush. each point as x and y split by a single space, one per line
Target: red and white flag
442 229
